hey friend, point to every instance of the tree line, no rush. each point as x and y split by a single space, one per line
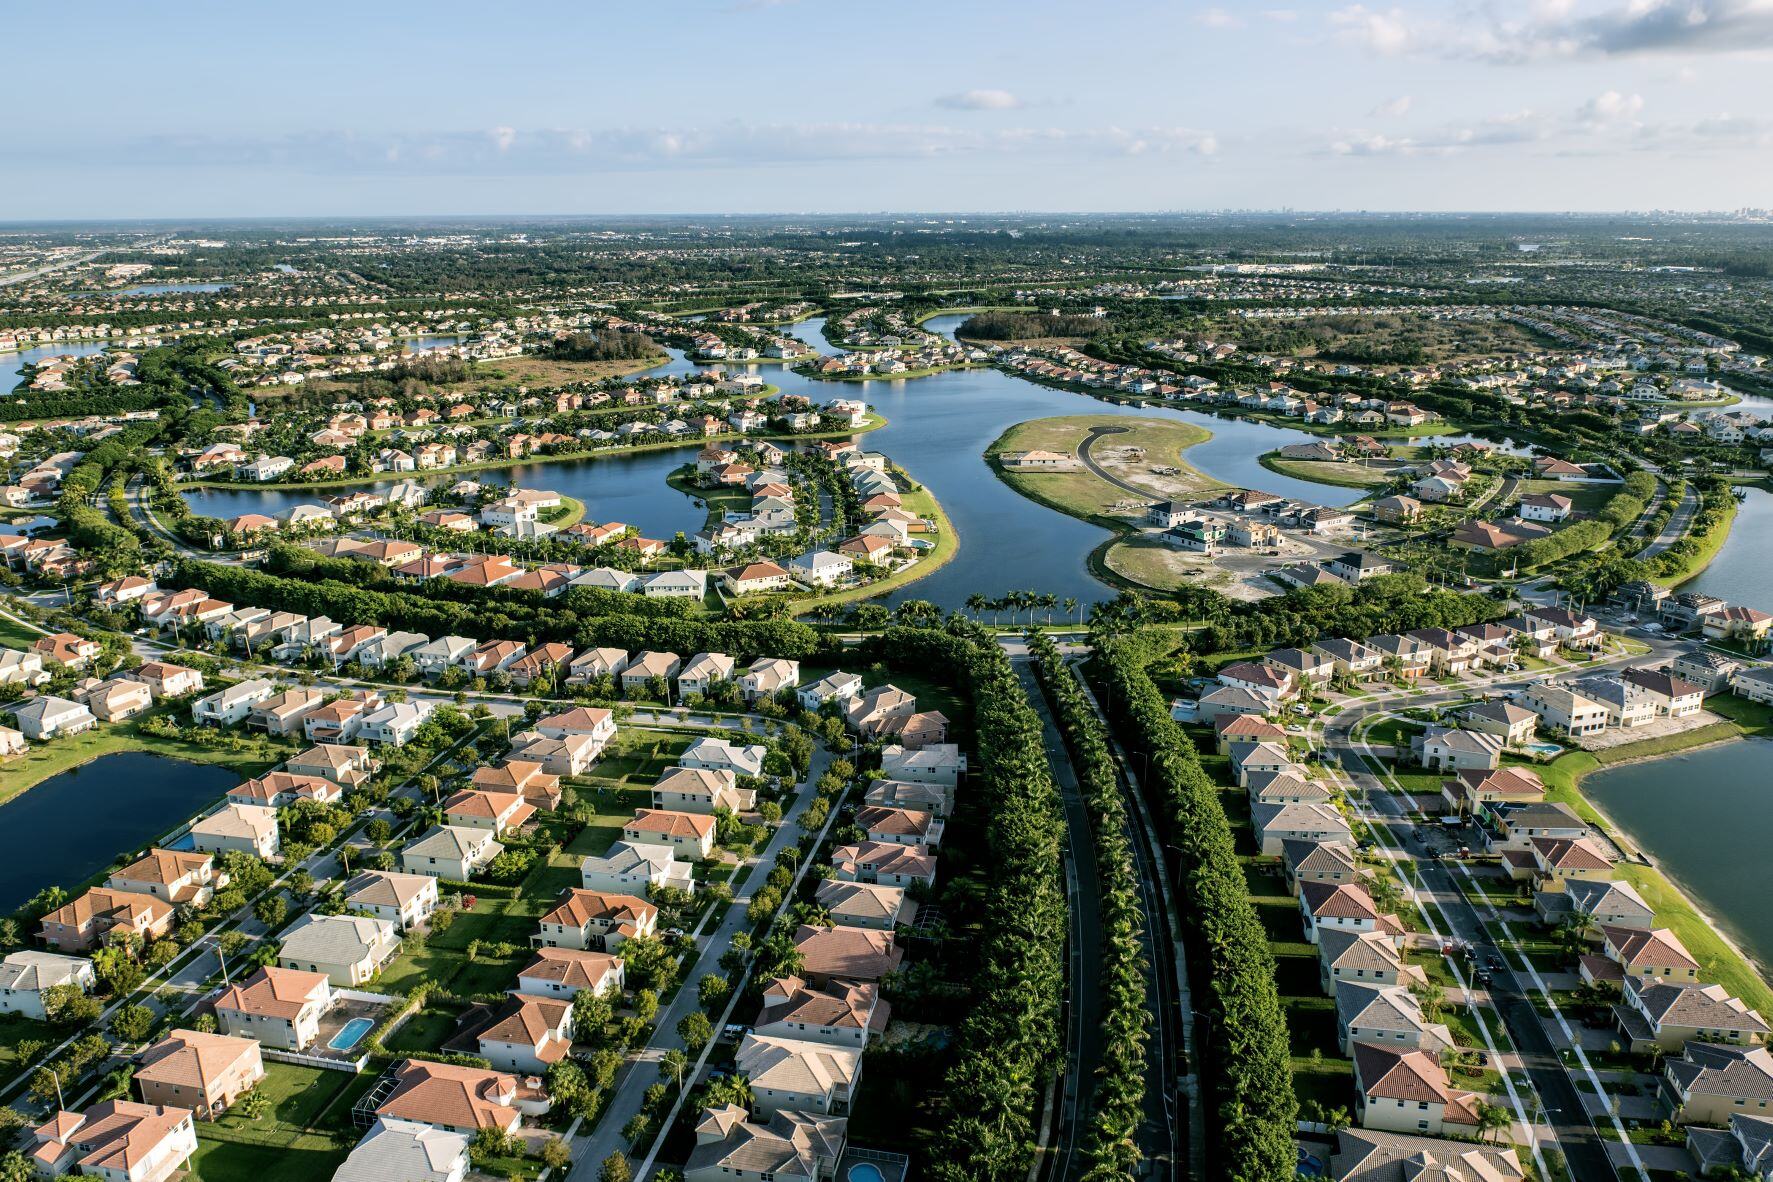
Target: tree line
1246 1063
1111 1149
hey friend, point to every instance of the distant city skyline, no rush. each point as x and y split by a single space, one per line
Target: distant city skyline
764 106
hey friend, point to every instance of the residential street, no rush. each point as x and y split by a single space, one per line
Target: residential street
641 1069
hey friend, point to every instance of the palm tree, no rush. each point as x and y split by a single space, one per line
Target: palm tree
1070 605
1049 601
977 603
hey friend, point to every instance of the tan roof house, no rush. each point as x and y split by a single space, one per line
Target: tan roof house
528 1034
349 949
566 972
450 851
249 828
796 1075
457 1099
689 835
176 876
278 1007
404 900
203 1072
92 916
853 954
595 922
117 1140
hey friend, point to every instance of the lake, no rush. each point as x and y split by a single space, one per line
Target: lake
13 365
937 429
1706 817
71 826
1742 572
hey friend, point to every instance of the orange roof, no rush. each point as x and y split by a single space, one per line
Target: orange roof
671 824
193 1059
453 1097
280 993
577 908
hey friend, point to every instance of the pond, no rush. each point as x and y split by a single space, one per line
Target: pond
1742 572
71 826
937 429
14 365
1706 817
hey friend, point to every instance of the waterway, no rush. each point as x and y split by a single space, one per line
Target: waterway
937 429
14 365
1706 817
1742 572
70 827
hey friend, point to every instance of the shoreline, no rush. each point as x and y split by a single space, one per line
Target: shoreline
1729 937
875 423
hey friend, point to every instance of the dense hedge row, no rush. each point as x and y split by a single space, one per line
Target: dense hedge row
1246 1065
1111 1150
543 621
1005 1047
1621 509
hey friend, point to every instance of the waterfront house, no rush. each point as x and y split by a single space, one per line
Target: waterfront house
1668 1016
180 877
48 717
89 918
249 828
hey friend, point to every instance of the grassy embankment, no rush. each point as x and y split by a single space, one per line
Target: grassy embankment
1336 472
245 755
1132 556
1721 963
1710 543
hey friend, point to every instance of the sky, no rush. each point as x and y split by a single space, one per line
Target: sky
198 109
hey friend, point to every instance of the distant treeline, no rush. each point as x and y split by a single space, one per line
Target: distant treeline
604 345
1022 326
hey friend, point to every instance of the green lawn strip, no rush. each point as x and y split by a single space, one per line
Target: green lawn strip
1709 544
245 754
1718 961
1336 472
263 1163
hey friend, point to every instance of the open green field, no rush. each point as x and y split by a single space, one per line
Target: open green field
1345 475
1084 494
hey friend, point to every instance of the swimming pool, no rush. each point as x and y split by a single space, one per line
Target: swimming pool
1543 749
865 1171
351 1033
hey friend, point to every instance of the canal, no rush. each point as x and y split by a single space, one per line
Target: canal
1742 572
1706 817
937 429
71 826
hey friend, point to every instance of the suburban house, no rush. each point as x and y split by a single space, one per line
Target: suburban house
1374 1155
720 755
1455 749
1712 1081
796 1075
788 1146
177 876
48 717
455 1099
700 790
349 949
281 789
884 863
843 1013
450 851
404 900
408 1151
279 1007
85 921
1341 907
836 687
227 707
117 1140
1668 1016
635 868
595 922
1407 1091
864 904
939 763
249 828
689 835
25 974
1277 824
205 1073
567 972
1387 1015
344 765
831 953
528 1034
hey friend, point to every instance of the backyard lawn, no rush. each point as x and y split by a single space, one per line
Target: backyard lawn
305 1134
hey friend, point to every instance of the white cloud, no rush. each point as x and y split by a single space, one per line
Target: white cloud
1217 18
1374 145
979 100
1387 32
1611 107
503 137
1394 108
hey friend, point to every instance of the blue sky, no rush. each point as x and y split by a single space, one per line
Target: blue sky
683 106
